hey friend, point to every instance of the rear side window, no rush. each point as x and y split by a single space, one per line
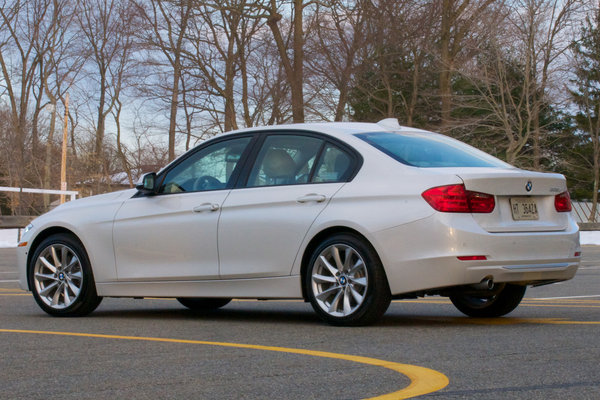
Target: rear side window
426 150
333 165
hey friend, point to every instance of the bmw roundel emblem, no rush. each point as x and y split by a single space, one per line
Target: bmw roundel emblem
529 186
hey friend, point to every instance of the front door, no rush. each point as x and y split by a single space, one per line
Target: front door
173 234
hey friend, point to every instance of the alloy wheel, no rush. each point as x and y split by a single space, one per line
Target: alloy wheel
339 280
58 276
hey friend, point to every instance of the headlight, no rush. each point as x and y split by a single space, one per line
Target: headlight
27 228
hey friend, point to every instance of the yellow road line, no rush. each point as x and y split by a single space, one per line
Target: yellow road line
559 305
525 303
502 321
423 380
557 321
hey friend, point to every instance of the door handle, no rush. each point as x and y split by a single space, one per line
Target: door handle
319 198
206 207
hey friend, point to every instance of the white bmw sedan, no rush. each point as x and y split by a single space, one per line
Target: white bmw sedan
347 216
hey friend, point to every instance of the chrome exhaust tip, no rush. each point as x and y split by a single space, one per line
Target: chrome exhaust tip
486 283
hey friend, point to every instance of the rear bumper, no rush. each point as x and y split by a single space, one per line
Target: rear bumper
423 255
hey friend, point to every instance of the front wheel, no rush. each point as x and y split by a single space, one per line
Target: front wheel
501 303
61 277
346 283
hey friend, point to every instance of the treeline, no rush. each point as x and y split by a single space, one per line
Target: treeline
149 79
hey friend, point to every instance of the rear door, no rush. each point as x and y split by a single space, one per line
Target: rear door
290 182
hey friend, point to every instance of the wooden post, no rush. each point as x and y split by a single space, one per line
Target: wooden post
63 164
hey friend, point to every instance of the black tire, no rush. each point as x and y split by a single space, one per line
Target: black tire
506 300
364 287
70 290
203 303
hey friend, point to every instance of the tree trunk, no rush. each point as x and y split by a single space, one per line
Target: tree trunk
230 120
174 104
293 72
298 78
536 134
596 144
122 155
341 105
244 76
412 105
446 64
48 161
98 149
592 216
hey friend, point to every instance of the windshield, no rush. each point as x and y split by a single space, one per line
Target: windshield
428 150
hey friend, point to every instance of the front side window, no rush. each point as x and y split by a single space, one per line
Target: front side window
210 168
285 160
427 150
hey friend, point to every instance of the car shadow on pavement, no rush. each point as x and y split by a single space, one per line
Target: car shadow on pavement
222 315
299 317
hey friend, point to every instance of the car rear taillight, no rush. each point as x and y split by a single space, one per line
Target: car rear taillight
562 202
455 198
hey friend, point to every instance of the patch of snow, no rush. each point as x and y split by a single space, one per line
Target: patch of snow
8 238
589 237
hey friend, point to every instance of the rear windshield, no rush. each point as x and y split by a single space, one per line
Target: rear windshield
428 150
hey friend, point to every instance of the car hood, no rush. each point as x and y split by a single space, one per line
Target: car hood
97 199
86 204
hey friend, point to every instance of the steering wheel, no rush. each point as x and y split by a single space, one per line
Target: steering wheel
206 182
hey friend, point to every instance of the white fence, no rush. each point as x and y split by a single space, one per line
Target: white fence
582 210
72 193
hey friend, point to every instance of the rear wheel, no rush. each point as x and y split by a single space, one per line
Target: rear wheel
61 277
501 303
203 303
346 283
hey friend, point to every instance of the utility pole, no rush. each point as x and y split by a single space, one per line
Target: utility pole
63 164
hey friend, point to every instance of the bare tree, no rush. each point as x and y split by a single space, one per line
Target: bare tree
61 68
395 64
541 26
458 20
586 96
165 28
23 44
339 28
293 66
515 72
108 28
221 38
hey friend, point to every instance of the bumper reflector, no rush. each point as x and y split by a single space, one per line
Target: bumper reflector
22 244
577 254
472 258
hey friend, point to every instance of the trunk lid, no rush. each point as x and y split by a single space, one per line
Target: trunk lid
524 199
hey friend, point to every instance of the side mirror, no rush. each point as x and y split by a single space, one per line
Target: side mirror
147 186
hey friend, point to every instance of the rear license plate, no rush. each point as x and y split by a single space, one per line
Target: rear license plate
523 209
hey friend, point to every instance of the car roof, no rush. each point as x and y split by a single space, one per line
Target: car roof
335 128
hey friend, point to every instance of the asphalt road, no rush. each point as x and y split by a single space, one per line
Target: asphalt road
549 348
